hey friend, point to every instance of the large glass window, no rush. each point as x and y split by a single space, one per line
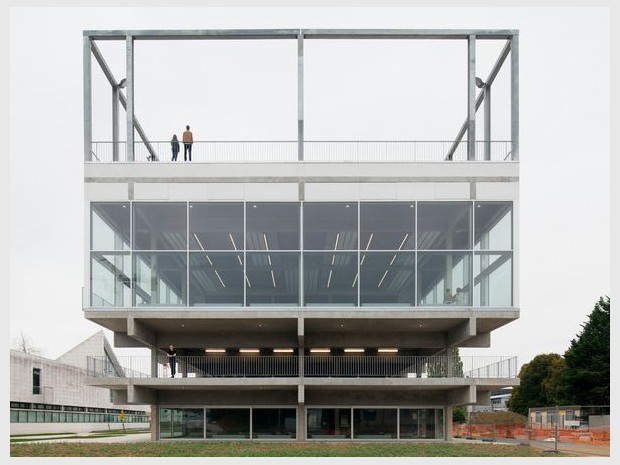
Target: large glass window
493 279
493 226
215 226
36 380
228 423
374 423
109 225
444 225
387 226
160 278
160 226
272 226
110 280
420 423
272 278
274 423
215 279
444 278
330 279
330 226
329 423
387 278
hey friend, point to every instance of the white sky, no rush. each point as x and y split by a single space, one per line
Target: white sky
565 135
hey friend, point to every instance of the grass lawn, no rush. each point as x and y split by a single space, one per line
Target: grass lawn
265 449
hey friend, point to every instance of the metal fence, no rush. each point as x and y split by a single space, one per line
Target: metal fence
288 151
228 366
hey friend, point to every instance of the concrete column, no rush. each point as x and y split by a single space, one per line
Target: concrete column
130 97
87 96
115 100
487 122
514 95
154 423
448 423
301 422
300 96
471 97
154 351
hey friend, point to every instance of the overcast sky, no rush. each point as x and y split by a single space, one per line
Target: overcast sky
250 93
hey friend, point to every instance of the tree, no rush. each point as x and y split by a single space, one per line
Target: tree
541 384
23 344
459 414
587 373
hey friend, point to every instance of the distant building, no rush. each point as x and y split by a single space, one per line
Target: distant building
47 395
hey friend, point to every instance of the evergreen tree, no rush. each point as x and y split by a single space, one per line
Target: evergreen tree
587 373
540 386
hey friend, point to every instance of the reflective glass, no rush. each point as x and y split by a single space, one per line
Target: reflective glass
229 423
215 279
216 226
444 278
330 226
109 226
274 423
493 279
160 278
272 278
330 279
110 280
387 226
272 226
444 225
493 226
188 423
160 226
329 423
421 423
374 423
388 278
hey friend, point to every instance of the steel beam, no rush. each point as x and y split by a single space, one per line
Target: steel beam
300 96
471 98
514 96
130 96
88 99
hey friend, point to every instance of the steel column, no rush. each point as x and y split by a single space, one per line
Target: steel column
87 89
487 121
130 97
300 96
115 101
471 97
514 96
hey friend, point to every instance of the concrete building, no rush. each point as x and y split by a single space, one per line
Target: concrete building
312 289
51 395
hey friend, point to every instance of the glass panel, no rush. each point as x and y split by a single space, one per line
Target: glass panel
330 279
444 225
160 278
421 423
387 226
374 423
215 279
272 226
187 423
440 277
228 423
109 226
493 279
387 278
274 423
273 279
493 228
215 226
160 226
330 226
36 381
110 282
329 423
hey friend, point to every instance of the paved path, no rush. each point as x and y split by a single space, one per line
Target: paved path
136 437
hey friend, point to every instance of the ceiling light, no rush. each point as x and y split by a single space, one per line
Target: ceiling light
282 351
356 350
249 351
319 351
215 351
387 351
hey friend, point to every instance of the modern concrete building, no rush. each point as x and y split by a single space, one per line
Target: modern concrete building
313 290
51 395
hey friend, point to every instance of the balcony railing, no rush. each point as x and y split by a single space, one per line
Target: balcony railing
313 151
309 366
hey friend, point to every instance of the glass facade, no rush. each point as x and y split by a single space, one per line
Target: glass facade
332 254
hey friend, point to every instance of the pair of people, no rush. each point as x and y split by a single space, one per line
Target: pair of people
458 298
188 140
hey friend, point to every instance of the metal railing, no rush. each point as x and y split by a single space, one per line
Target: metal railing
393 366
314 151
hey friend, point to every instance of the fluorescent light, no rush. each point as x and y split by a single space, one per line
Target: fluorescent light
336 244
282 351
403 241
329 278
249 351
387 351
220 278
215 351
369 239
248 281
333 259
240 262
265 239
319 351
393 258
210 262
269 259
384 275
232 240
198 240
357 351
362 260
355 280
273 278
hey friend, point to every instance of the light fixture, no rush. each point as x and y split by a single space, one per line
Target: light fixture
215 351
319 351
122 84
219 277
282 351
249 351
480 84
387 351
353 351
329 279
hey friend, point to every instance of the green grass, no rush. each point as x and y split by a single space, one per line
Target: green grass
265 449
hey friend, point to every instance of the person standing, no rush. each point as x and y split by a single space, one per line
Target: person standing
172 360
175 147
188 140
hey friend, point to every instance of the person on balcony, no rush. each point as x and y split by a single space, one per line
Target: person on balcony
175 147
447 296
172 360
188 140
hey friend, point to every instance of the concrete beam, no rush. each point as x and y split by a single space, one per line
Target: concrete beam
465 395
122 340
140 395
401 339
139 331
484 397
461 333
481 340
236 339
120 396
300 331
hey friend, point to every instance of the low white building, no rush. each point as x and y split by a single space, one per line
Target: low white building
51 396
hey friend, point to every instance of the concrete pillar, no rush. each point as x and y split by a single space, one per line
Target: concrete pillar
154 423
301 422
448 423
